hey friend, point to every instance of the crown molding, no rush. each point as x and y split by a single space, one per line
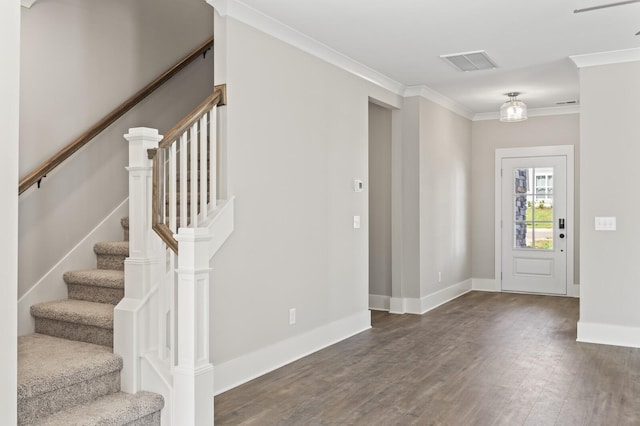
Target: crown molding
606 58
27 3
247 15
533 112
440 99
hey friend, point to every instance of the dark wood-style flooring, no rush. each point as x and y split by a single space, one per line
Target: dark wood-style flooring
484 358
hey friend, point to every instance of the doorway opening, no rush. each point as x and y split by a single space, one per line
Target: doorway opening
534 243
380 204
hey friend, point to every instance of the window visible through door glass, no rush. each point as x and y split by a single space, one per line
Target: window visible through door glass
533 215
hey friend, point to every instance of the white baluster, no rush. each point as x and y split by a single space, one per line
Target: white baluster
194 175
184 153
203 166
213 159
172 187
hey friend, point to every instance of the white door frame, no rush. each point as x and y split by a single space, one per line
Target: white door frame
537 151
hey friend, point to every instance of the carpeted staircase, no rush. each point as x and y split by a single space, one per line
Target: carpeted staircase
67 372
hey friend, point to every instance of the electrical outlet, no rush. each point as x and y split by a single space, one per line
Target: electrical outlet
292 316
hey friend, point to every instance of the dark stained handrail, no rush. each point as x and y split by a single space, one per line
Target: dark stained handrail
41 171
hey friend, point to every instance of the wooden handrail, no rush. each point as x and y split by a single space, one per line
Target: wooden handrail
87 136
217 98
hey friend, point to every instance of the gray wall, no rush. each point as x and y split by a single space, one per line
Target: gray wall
610 145
379 200
410 276
436 173
445 198
80 59
491 135
9 83
297 138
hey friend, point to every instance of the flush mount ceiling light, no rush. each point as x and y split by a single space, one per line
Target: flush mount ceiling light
513 110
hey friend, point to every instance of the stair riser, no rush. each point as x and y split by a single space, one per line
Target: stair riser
95 294
109 261
150 420
73 331
31 409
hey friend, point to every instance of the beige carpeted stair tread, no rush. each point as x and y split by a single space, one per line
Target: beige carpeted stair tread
112 248
96 277
48 363
114 409
76 311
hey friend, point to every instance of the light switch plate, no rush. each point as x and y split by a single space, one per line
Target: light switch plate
605 223
356 222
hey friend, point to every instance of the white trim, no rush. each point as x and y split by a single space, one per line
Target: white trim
256 19
412 305
51 286
608 334
535 151
440 99
484 284
443 296
606 58
220 224
247 367
396 305
27 3
378 302
155 378
574 291
534 112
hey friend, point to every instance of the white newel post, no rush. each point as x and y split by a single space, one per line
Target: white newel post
140 267
193 375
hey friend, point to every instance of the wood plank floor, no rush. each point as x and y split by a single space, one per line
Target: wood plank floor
482 359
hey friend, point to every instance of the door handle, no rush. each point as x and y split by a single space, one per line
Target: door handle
560 223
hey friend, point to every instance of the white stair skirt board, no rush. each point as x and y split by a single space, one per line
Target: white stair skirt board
431 301
51 286
608 334
378 302
247 367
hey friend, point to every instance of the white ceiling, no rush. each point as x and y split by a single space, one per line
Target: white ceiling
530 41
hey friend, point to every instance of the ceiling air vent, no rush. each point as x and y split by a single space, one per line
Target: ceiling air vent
566 102
470 61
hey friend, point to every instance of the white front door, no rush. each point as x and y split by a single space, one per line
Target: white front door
534 224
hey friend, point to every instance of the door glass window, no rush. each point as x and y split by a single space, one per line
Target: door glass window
533 208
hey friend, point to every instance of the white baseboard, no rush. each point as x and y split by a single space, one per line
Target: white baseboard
608 334
409 305
255 364
490 284
51 286
484 284
574 290
379 303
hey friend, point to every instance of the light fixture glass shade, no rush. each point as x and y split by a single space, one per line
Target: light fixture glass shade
513 109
